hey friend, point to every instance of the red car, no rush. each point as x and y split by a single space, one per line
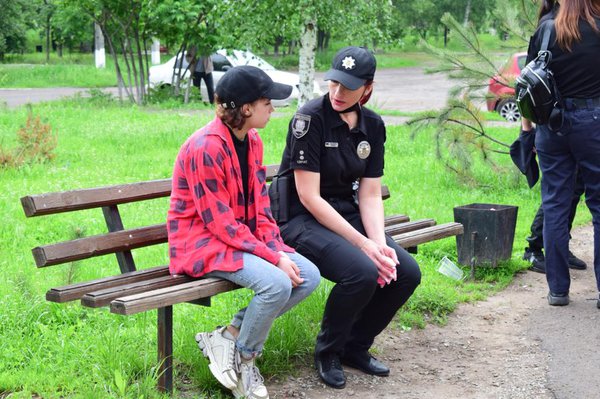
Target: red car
501 92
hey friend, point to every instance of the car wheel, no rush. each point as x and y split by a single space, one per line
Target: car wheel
508 109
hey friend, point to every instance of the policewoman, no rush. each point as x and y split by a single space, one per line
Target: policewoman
331 211
570 143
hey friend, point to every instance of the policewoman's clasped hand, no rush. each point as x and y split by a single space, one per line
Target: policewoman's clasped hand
385 259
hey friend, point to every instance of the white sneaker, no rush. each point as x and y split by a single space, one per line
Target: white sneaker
223 356
250 384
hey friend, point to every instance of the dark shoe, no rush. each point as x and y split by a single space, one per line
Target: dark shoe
366 363
558 299
537 260
330 370
576 263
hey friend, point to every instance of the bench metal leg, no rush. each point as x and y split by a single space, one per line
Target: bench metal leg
165 349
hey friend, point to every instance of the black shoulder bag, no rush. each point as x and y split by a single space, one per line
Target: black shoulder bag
536 93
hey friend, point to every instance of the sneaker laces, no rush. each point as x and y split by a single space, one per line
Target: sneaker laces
234 356
252 377
236 360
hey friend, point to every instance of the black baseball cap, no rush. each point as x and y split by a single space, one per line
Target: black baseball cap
245 84
352 66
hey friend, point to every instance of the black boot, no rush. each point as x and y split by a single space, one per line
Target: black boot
330 370
366 363
537 260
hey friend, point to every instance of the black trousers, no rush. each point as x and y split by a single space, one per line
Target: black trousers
357 309
536 239
197 77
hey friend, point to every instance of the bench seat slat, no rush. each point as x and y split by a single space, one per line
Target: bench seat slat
76 291
169 296
427 234
101 244
103 297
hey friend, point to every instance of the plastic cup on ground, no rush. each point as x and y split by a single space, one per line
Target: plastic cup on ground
448 268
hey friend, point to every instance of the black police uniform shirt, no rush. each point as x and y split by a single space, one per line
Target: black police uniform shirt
320 141
577 73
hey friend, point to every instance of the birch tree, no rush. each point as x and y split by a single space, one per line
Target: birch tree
308 48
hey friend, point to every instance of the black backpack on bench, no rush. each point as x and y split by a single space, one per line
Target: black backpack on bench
535 90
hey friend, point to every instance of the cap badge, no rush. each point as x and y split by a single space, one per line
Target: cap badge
363 149
348 63
300 125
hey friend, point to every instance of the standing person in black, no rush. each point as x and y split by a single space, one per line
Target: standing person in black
534 252
333 163
572 145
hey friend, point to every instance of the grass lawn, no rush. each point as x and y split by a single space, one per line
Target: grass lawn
64 350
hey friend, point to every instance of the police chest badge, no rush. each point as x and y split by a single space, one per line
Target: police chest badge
363 149
300 125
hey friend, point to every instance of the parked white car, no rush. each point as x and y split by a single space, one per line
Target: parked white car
223 60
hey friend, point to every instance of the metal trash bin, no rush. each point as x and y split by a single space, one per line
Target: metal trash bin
489 232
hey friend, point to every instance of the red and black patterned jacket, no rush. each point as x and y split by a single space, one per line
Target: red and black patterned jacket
206 220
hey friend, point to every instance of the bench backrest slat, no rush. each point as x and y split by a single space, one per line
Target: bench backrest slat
65 201
88 247
45 204
427 234
405 227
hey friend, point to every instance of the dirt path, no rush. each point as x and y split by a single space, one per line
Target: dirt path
513 345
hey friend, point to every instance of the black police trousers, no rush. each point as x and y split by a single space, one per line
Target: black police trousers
536 239
357 309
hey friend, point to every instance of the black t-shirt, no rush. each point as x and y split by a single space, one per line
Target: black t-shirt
320 141
577 72
241 149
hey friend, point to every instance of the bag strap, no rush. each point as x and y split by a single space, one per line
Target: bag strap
547 28
546 33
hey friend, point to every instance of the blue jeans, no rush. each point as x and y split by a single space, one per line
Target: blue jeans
273 297
574 149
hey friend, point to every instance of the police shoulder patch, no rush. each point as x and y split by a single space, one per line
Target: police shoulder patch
300 125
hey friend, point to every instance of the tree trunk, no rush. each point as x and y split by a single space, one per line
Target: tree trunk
446 30
320 40
48 17
326 42
99 54
308 47
155 50
141 73
125 53
467 12
120 82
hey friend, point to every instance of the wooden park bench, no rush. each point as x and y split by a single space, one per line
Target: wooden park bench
132 291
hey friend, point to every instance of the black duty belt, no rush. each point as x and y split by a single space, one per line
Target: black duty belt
582 102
